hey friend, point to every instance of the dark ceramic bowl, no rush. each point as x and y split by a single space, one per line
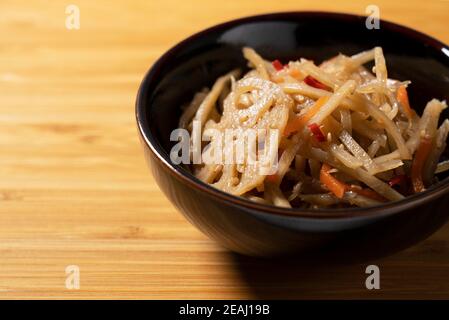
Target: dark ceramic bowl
261 230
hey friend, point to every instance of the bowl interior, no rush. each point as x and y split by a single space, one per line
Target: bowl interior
199 60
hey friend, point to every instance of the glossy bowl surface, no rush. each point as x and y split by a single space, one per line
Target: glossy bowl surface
254 229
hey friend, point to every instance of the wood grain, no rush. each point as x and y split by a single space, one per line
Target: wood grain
74 188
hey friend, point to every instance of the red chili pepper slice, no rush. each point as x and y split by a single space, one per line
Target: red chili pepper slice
277 65
400 183
311 81
317 133
397 180
273 178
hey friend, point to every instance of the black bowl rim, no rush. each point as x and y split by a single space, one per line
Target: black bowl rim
431 194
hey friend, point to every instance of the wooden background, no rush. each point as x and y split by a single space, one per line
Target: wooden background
74 188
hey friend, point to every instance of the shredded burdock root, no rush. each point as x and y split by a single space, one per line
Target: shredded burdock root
347 136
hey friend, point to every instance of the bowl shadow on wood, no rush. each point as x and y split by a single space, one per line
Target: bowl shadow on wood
339 271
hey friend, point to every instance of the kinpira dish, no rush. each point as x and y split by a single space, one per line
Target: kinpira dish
338 134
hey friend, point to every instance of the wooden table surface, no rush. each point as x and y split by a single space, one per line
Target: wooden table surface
74 187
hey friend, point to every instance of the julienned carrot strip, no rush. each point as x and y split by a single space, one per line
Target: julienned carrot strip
402 97
367 193
339 188
295 73
333 184
421 155
300 121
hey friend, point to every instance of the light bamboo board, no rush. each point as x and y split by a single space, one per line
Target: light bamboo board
74 188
